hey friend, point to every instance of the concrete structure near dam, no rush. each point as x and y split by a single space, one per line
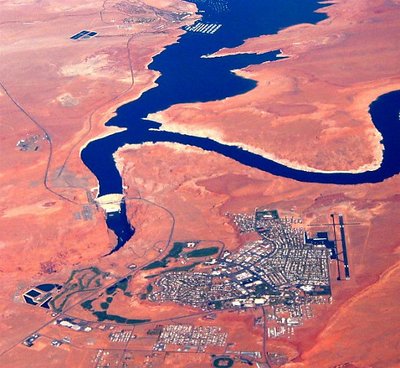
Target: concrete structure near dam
110 202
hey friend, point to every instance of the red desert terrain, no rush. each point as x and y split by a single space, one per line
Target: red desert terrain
309 111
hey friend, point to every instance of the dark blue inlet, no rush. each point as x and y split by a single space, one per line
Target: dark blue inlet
29 300
33 293
83 35
46 304
187 76
119 224
46 287
78 35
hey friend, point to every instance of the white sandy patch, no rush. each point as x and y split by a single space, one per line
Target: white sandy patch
90 67
16 3
67 100
109 131
127 79
175 146
220 54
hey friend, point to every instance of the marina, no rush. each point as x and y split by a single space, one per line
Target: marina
203 28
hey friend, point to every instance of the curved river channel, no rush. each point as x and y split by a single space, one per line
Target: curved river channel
187 76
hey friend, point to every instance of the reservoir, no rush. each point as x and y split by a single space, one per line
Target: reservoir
187 76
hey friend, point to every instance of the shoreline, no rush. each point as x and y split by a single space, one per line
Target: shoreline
109 109
372 135
201 133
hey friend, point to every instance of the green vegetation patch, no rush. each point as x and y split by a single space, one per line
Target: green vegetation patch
122 285
87 304
217 304
156 264
205 252
223 362
85 279
104 316
149 289
183 268
176 250
175 269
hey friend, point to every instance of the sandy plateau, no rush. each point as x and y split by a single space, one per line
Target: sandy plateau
310 111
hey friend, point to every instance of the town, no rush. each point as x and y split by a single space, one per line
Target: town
188 336
284 271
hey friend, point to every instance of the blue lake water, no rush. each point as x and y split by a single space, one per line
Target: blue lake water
186 76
